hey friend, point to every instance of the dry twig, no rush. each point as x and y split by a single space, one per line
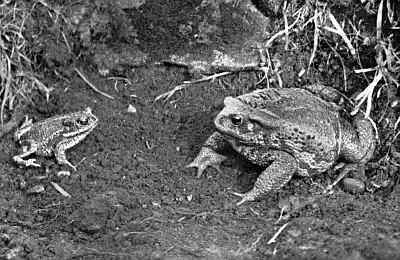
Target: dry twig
91 85
60 190
338 29
316 38
275 236
185 84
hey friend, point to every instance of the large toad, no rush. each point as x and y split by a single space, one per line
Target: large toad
287 130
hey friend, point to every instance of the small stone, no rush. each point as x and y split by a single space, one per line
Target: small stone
22 184
131 109
294 232
36 189
63 173
353 185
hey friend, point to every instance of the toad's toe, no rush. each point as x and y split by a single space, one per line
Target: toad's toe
248 196
207 157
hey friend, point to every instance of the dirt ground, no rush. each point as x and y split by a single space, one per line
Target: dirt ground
132 197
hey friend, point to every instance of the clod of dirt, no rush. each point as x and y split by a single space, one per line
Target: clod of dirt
110 60
92 216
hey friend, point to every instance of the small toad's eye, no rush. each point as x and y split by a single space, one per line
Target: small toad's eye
236 120
83 121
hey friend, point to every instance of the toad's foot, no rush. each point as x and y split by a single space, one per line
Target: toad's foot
248 196
206 157
66 162
29 162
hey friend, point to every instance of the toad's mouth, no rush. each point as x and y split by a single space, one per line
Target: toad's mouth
234 137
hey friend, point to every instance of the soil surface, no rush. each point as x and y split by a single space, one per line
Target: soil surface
131 196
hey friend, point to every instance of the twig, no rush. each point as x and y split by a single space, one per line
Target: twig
274 237
60 190
340 31
257 240
379 22
225 73
367 94
6 89
286 25
170 93
394 138
316 37
276 35
66 42
265 68
253 245
91 85
366 70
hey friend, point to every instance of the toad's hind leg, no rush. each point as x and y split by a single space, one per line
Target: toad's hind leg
26 151
358 141
358 146
274 177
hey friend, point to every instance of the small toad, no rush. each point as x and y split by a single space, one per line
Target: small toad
287 130
53 136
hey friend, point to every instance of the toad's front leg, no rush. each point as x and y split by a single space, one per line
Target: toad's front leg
61 157
26 151
209 154
274 177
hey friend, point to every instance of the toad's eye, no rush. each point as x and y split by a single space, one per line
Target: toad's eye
236 120
83 121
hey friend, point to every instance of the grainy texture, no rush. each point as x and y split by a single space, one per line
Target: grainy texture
131 196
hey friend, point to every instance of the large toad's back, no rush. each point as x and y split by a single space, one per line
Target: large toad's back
308 126
294 107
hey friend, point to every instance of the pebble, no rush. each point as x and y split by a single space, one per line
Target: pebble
353 185
36 189
97 213
131 109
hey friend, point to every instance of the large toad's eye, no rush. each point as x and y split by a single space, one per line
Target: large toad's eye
83 121
236 119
